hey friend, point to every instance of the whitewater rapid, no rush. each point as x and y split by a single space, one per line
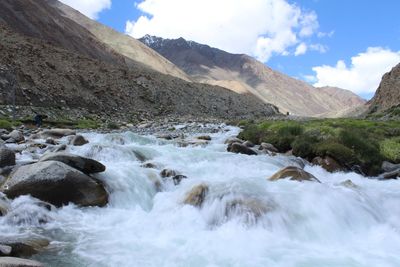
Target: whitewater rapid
308 224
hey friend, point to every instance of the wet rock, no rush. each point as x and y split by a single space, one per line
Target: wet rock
166 136
5 250
349 184
24 246
60 148
140 156
204 137
240 149
389 167
250 207
51 141
149 165
232 140
248 144
7 157
390 175
268 147
56 183
78 140
4 206
196 195
18 262
57 133
178 178
83 164
328 164
168 173
294 174
15 137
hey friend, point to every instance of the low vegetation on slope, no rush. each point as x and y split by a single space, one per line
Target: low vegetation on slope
351 142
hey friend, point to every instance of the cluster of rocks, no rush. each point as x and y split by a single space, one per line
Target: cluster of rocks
54 179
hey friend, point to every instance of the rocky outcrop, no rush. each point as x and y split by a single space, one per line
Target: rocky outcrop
294 174
388 94
83 164
55 183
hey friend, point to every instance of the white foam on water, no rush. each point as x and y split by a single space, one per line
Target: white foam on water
305 224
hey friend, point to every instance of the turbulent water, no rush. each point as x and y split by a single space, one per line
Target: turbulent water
300 224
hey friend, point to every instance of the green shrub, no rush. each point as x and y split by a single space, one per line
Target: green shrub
390 149
252 133
304 147
4 124
87 124
112 125
282 142
293 130
341 153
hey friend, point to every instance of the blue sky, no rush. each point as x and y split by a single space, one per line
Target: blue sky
365 31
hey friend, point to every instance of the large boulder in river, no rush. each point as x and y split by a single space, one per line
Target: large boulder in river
83 164
241 149
328 163
78 140
18 262
294 174
196 195
7 157
56 183
57 133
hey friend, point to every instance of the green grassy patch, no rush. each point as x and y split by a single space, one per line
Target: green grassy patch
87 124
366 143
5 124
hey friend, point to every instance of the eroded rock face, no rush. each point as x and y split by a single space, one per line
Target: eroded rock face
240 149
7 157
196 195
18 262
83 164
56 183
294 174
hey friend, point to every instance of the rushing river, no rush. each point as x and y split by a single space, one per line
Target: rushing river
307 224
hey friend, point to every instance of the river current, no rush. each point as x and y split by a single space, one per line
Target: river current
304 224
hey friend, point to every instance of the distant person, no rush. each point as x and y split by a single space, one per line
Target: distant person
38 120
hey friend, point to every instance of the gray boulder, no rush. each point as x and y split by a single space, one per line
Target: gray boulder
389 167
83 164
14 137
7 157
268 147
56 183
57 133
196 195
18 262
5 250
24 245
78 140
241 149
232 140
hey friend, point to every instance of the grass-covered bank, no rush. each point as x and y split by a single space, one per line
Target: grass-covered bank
351 142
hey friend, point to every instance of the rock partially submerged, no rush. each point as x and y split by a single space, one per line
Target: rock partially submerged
294 174
57 133
18 262
83 164
24 246
328 163
241 149
56 183
196 195
78 140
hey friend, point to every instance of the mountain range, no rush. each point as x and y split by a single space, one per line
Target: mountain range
244 74
62 59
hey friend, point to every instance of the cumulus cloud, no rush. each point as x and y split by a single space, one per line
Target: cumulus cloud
90 8
261 28
363 75
301 49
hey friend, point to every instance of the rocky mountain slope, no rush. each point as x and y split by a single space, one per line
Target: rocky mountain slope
53 77
388 94
244 74
125 45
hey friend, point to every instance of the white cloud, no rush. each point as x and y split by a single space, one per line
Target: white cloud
90 8
261 28
301 49
319 48
363 75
